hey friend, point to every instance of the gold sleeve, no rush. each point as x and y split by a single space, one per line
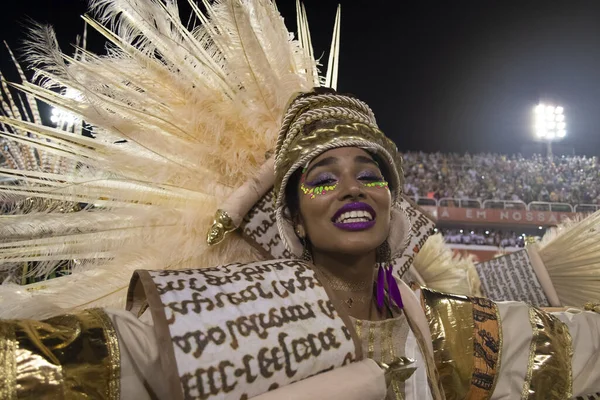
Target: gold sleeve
469 350
73 356
467 343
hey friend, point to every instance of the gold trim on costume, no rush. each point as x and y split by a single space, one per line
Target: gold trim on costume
8 372
451 324
487 346
69 356
549 371
500 344
114 353
388 354
371 345
531 359
305 144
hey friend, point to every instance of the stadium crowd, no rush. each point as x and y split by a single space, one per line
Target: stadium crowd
564 179
483 237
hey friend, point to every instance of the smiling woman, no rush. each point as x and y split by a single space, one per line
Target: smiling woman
349 211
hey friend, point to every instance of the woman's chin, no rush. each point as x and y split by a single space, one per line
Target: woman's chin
357 247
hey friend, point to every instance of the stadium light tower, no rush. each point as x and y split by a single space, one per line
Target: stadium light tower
550 124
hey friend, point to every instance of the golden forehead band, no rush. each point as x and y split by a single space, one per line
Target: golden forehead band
341 135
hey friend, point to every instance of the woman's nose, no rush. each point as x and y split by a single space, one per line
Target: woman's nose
351 188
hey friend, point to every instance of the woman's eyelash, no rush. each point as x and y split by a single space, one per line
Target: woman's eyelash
370 177
322 180
330 179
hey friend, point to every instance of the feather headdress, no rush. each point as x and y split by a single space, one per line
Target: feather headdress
181 117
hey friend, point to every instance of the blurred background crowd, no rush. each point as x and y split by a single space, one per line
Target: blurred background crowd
562 179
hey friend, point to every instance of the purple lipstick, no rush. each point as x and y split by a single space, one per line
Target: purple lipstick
355 216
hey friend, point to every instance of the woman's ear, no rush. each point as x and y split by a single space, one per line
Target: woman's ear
298 224
300 231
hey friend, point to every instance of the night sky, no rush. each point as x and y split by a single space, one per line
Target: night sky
441 76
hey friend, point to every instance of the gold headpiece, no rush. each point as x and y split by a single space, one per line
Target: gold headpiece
322 120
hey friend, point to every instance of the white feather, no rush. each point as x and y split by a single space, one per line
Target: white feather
180 118
571 254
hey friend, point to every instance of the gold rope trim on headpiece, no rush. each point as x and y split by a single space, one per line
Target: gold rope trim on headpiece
321 121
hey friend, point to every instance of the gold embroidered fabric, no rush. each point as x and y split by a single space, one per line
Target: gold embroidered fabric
549 372
467 343
451 324
8 373
487 346
73 356
384 342
304 145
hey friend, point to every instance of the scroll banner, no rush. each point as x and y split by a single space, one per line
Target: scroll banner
511 278
491 216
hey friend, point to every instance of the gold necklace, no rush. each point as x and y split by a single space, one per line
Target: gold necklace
340 285
351 300
336 283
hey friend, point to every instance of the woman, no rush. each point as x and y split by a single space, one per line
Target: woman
284 328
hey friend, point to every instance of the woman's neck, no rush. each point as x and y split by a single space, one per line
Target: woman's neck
351 279
351 269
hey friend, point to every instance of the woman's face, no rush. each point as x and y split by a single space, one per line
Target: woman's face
344 202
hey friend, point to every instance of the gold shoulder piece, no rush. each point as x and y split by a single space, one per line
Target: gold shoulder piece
222 225
67 357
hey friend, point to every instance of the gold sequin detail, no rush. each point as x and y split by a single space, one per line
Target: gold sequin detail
72 356
371 344
549 371
8 373
358 328
112 344
388 332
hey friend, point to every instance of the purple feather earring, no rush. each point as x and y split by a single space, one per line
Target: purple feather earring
385 274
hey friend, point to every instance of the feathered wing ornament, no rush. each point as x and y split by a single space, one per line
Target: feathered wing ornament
443 270
181 117
563 269
571 255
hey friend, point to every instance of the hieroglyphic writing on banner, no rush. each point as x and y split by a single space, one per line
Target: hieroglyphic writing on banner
421 228
260 227
511 278
242 329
